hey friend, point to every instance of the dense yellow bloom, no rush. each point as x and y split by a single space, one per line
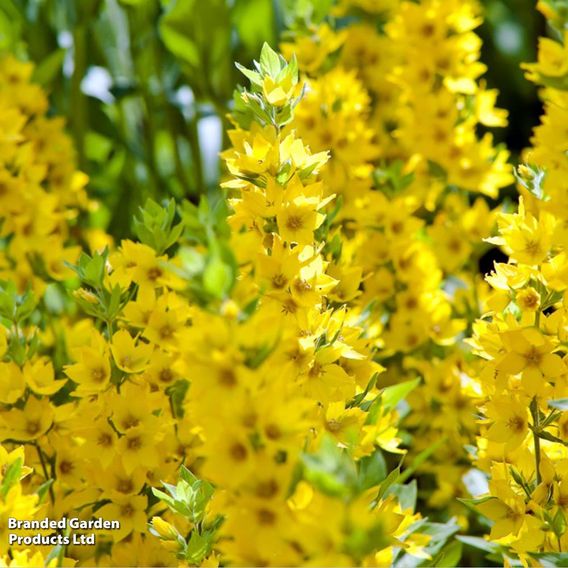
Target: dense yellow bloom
92 372
530 353
522 378
29 423
300 362
509 421
129 356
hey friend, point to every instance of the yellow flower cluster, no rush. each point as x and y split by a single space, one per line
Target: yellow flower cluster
84 436
522 389
549 142
270 385
248 364
253 380
396 98
41 193
18 504
15 502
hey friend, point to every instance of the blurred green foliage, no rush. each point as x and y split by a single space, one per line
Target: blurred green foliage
146 84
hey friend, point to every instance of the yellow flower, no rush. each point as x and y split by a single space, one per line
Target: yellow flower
129 511
507 516
509 420
278 93
138 448
117 483
528 299
298 220
165 530
102 437
129 356
29 423
526 238
312 50
40 377
12 383
91 373
529 352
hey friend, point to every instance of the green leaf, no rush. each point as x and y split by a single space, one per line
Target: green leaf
330 469
306 12
11 24
201 495
192 261
43 490
8 300
255 357
54 299
56 552
406 494
91 270
449 556
167 499
26 304
270 62
198 547
421 458
252 76
372 470
254 23
217 277
437 548
551 438
362 541
175 34
551 559
558 523
155 227
12 476
391 396
177 393
199 35
49 68
475 501
390 479
559 403
480 543
532 177
187 476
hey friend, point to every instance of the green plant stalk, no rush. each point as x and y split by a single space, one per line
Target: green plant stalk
196 154
79 121
177 131
536 438
172 120
148 111
44 468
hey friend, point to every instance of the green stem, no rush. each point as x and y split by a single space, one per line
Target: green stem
196 154
536 419
180 171
149 112
174 122
78 100
110 329
536 429
44 468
